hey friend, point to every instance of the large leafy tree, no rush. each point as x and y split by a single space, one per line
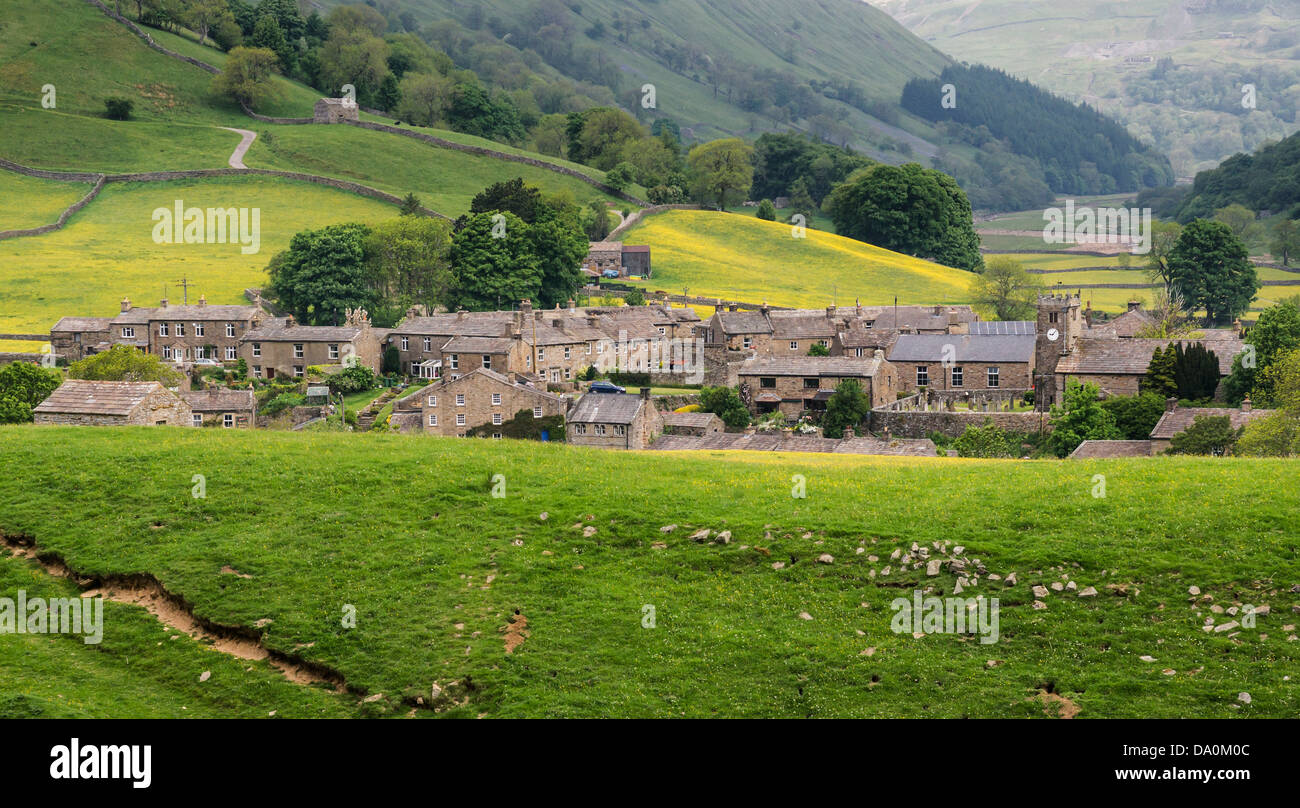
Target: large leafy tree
1276 331
721 170
596 136
123 363
408 262
1136 416
511 196
559 244
847 407
1277 435
1164 235
322 274
247 75
23 385
494 263
725 403
1208 435
1080 417
1210 268
1007 289
908 209
1285 244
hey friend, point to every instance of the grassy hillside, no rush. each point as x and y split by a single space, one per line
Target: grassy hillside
1097 51
107 250
31 202
743 258
434 584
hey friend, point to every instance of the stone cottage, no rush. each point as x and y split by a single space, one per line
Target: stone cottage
335 110
614 421
480 399
231 409
96 403
798 384
281 347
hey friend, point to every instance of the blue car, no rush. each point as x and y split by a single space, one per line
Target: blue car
605 387
609 273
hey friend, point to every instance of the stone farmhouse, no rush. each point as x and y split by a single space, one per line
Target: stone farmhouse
614 421
335 110
964 362
797 384
1177 419
178 334
696 424
96 403
481 398
281 347
231 409
625 259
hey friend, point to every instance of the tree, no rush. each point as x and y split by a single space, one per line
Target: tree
596 136
423 98
986 440
1159 378
847 407
1170 317
1080 417
1007 289
766 211
353 56
801 200
267 34
493 263
205 15
721 169
634 297
1237 217
407 263
123 363
1210 268
1286 241
1196 371
411 205
1277 435
620 176
247 76
1208 435
908 209
23 385
1164 235
726 404
1136 416
117 109
1276 332
817 349
559 245
597 220
323 274
511 196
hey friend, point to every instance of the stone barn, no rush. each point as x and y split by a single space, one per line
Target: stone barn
636 260
95 403
335 110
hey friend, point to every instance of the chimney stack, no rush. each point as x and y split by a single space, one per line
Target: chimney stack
460 315
1171 404
830 312
163 303
126 304
526 306
1245 404
1133 305
288 321
645 393
203 300
571 307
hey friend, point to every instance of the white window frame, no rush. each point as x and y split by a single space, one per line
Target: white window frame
600 429
334 350
428 344
198 329
230 329
257 349
196 419
454 361
298 351
541 354
581 429
994 377
496 399
568 352
958 376
460 399
298 371
460 419
496 419
746 342
180 329
922 375
487 361
432 401
162 330
257 371
537 412
620 430
228 420
128 332
794 344
231 353
433 419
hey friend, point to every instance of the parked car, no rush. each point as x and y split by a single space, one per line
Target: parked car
207 362
605 387
609 273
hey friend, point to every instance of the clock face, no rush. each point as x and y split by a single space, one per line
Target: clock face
1053 334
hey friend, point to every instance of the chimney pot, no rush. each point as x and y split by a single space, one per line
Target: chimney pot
203 300
163 302
126 304
1171 404
645 393
1246 404
1134 305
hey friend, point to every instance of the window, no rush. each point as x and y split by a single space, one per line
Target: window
297 350
537 412
433 401
1051 317
496 399
198 419
257 349
993 377
198 329
922 376
588 349
810 384
297 371
415 367
496 419
228 420
957 376
460 399
231 354
767 381
162 329
257 371
230 329
823 343
167 352
496 436
620 430
568 374
433 419
580 428
334 351
541 354
428 344
406 343
487 361
662 332
454 359
567 352
128 332
460 419
857 351
180 329
600 429
794 344
528 361
746 342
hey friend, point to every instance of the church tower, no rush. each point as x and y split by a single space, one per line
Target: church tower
1058 329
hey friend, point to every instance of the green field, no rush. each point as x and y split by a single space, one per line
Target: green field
27 202
744 258
107 250
404 529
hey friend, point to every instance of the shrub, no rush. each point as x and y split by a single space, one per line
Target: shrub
818 349
725 403
282 402
767 211
118 109
986 441
353 379
1208 435
847 407
634 298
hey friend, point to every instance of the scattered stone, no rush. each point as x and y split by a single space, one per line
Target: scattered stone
205 676
1057 586
825 558
1169 671
1011 579
1229 626
1244 697
700 535
1217 609
778 565
658 546
868 651
1147 658
860 551
873 559
958 550
1039 605
588 531
1263 609
667 528
885 571
932 567
723 538
916 635
547 552
372 699
804 616
894 555
1040 591
993 663
1193 590
1072 586
1089 592
543 516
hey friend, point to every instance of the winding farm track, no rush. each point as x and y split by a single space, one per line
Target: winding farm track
245 140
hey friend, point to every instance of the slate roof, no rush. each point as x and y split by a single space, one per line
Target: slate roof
693 420
606 408
1004 327
83 324
811 366
966 347
868 338
1127 324
218 400
478 345
1111 448
730 442
800 324
743 322
1122 357
475 324
448 382
275 330
84 397
1179 418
